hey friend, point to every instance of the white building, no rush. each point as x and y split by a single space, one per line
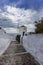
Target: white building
22 30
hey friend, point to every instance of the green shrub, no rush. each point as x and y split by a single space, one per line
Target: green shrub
39 26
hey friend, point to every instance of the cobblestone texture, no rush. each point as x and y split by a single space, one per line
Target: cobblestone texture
10 57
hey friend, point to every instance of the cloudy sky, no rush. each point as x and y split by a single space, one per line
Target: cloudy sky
20 11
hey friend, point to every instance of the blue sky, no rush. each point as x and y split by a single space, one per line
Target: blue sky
22 11
26 4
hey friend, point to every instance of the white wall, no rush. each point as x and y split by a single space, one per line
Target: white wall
2 31
5 40
34 44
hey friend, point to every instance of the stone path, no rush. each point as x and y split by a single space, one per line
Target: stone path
17 55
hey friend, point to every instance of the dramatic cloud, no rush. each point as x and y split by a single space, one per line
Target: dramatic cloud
20 16
20 12
5 21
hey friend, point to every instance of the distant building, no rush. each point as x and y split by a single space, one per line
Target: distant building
22 29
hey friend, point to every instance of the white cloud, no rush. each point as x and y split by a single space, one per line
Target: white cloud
11 30
21 15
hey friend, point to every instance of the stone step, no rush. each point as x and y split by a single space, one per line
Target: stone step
14 48
14 42
20 59
14 54
17 55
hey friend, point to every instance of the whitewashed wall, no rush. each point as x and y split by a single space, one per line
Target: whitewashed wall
34 44
5 40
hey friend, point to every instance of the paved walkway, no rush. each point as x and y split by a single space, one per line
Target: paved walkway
17 55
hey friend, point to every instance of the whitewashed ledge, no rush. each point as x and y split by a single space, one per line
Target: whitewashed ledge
5 40
4 43
34 44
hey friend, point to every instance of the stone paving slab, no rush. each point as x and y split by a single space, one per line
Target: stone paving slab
17 55
14 48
